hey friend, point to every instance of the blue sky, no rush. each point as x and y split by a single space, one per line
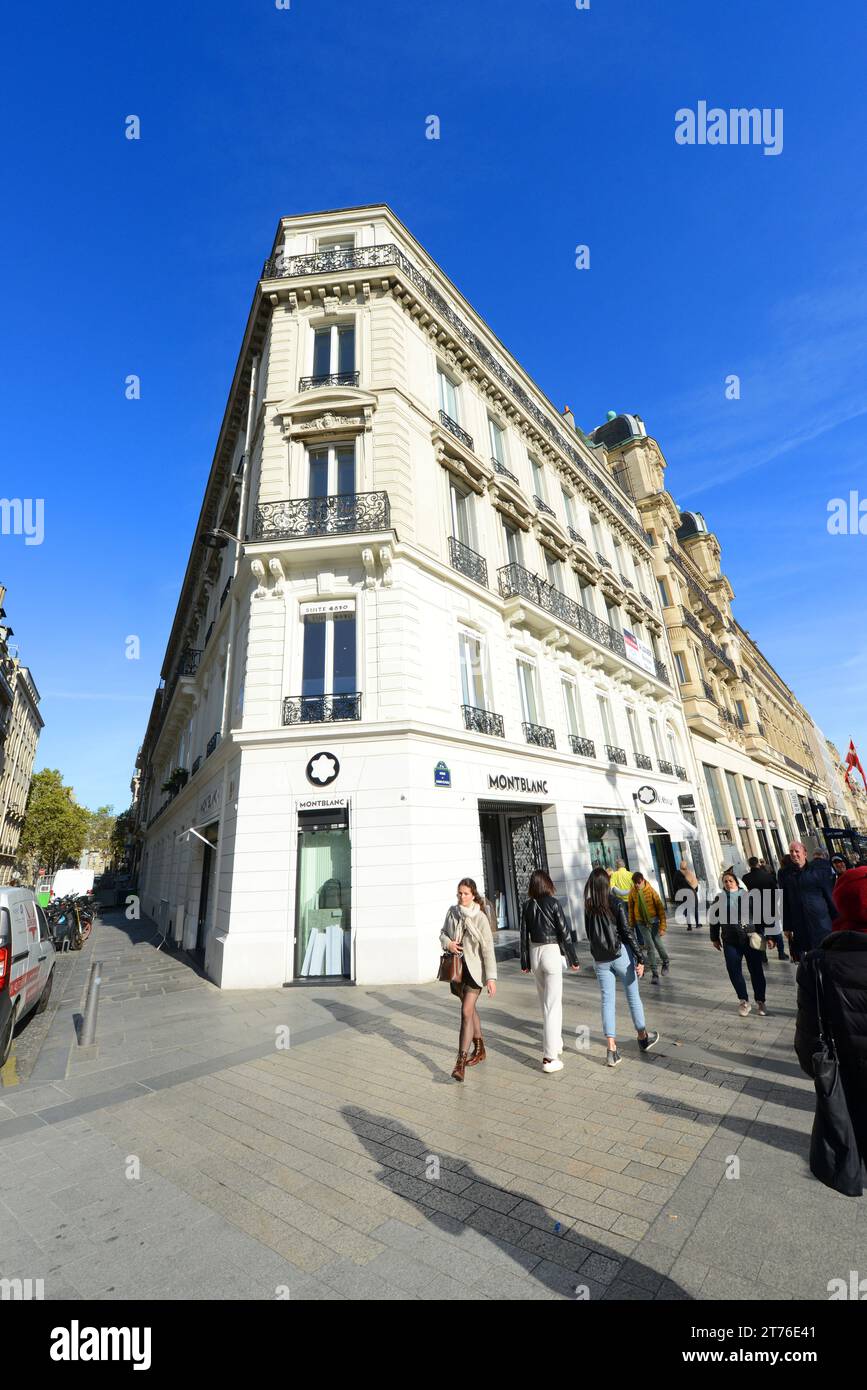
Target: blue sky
557 129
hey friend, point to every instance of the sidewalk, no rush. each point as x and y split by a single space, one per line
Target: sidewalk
350 1165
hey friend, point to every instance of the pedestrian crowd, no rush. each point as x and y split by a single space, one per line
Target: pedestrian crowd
818 908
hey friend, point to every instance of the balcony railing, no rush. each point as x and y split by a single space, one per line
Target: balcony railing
615 755
468 562
307 383
503 471
716 651
708 690
197 763
582 747
321 709
325 262
454 428
575 536
602 560
542 506
482 721
627 583
517 582
225 594
680 772
648 603
694 587
538 734
642 760
189 662
212 743
666 767
342 514
661 670
725 716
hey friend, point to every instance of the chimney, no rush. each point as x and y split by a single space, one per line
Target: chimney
568 416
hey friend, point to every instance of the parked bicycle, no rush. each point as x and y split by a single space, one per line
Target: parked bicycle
70 921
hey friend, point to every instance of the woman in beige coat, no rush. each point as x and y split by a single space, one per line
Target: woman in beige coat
467 930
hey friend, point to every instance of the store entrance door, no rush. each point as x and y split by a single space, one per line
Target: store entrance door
206 891
323 897
663 860
513 846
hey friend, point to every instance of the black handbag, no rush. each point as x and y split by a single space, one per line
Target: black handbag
834 1156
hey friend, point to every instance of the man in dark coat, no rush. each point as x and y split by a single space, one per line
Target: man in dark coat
763 909
808 904
842 959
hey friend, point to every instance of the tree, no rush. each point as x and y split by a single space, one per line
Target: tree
55 828
100 832
123 829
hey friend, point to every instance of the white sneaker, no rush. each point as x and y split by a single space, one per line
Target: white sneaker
561 1049
743 1008
555 1065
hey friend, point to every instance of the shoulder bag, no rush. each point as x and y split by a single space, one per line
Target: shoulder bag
834 1156
451 969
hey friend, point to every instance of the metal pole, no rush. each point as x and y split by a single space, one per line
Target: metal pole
88 1027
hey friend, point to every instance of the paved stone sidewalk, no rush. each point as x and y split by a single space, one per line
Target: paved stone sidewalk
350 1165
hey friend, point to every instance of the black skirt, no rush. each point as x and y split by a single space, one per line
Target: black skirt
466 982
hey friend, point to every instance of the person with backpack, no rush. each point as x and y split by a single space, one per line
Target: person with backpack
647 911
617 956
831 1038
546 936
732 932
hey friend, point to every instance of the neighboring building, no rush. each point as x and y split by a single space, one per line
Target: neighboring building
438 653
764 780
23 727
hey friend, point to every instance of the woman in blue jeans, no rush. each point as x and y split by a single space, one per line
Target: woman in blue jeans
617 956
730 932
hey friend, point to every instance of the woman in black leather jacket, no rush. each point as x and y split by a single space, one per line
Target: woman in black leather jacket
617 956
545 936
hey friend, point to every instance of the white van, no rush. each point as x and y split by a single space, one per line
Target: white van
26 961
76 881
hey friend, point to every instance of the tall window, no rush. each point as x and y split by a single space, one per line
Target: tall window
674 747
331 471
613 616
713 791
513 544
527 692
334 350
554 571
680 667
569 508
587 599
664 594
634 730
741 712
654 734
785 818
751 797
538 479
329 657
498 441
734 793
448 395
605 717
463 527
574 713
473 683
597 534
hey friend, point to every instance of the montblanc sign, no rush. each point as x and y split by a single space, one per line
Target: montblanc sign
502 783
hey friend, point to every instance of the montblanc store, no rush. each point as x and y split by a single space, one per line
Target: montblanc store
336 860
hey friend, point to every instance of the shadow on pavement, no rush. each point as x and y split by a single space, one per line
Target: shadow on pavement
573 1266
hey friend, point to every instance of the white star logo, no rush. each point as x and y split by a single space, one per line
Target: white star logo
323 769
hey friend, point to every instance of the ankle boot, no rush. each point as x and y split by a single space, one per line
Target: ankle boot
478 1053
460 1066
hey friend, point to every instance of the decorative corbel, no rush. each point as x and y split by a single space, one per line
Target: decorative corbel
276 568
258 570
385 559
369 562
555 640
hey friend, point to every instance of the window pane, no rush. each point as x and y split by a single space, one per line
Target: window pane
606 721
319 473
448 396
713 792
313 666
344 654
472 684
569 509
497 450
513 547
346 348
527 687
571 713
345 469
322 352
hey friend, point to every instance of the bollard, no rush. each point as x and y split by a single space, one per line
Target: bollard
88 1027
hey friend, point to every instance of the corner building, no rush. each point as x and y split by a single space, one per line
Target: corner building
431 646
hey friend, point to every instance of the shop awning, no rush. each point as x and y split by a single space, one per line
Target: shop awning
673 824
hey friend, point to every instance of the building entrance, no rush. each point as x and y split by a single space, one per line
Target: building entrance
513 846
207 906
323 897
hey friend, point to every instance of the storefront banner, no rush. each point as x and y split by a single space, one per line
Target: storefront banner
639 652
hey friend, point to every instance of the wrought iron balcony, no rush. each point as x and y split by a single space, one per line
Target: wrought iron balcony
538 734
212 743
468 562
197 763
208 634
725 716
321 709
745 676
575 536
225 594
482 721
307 383
517 582
648 603
583 747
542 506
454 428
627 583
694 587
680 772
342 514
615 755
666 767
715 651
708 690
503 471
189 662
357 258
661 670
602 560
642 760
761 729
